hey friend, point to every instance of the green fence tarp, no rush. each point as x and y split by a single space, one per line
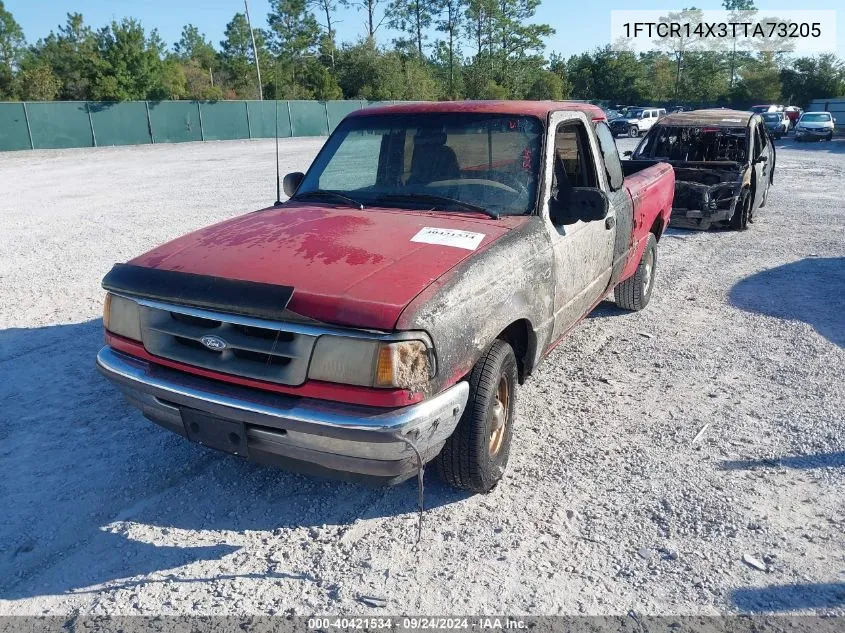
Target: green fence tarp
122 123
262 119
60 124
339 109
175 121
13 132
224 120
308 118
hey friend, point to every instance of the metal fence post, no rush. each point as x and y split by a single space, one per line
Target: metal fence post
290 120
150 123
328 123
202 132
248 124
91 123
28 129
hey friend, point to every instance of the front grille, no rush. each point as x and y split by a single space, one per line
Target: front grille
253 349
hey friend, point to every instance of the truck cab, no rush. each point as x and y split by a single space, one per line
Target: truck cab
386 314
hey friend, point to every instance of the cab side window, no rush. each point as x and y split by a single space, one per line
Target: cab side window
764 136
573 162
612 164
758 141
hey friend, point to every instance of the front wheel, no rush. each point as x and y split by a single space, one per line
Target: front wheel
633 131
829 137
475 456
635 292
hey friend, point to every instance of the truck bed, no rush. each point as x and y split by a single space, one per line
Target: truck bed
651 185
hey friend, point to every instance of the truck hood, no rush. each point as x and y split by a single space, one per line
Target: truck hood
348 267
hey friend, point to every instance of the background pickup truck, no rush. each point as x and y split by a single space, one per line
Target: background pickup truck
385 315
636 121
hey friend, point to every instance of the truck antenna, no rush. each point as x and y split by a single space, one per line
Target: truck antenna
278 177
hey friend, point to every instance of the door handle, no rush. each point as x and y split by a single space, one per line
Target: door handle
610 222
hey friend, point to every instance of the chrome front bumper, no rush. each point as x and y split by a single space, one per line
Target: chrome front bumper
314 436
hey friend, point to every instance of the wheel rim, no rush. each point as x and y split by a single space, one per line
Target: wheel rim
649 271
499 417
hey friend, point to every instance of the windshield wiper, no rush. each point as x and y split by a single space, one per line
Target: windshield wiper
325 193
435 199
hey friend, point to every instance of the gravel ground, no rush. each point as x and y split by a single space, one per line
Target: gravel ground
688 459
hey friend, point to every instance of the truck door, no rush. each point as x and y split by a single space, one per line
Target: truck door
583 251
763 161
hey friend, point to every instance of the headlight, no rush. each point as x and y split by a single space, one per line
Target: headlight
372 363
121 317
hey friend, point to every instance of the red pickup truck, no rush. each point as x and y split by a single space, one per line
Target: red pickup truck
385 314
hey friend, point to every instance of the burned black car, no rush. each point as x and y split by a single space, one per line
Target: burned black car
724 163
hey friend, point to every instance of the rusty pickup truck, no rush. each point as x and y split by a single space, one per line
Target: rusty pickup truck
385 314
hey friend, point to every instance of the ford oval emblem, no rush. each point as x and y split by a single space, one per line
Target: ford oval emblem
213 342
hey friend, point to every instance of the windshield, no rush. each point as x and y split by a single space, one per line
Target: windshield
815 118
401 160
772 117
683 144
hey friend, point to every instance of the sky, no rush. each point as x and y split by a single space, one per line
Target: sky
579 25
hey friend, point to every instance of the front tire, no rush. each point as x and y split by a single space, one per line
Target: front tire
635 292
475 456
633 131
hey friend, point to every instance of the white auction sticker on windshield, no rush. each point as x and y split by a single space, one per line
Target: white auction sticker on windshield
449 237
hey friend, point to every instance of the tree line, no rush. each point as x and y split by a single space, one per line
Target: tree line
446 49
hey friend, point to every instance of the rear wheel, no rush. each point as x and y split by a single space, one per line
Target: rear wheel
739 221
475 456
633 131
635 292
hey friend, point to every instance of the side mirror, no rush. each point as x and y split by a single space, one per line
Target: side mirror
582 203
627 153
291 182
762 159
